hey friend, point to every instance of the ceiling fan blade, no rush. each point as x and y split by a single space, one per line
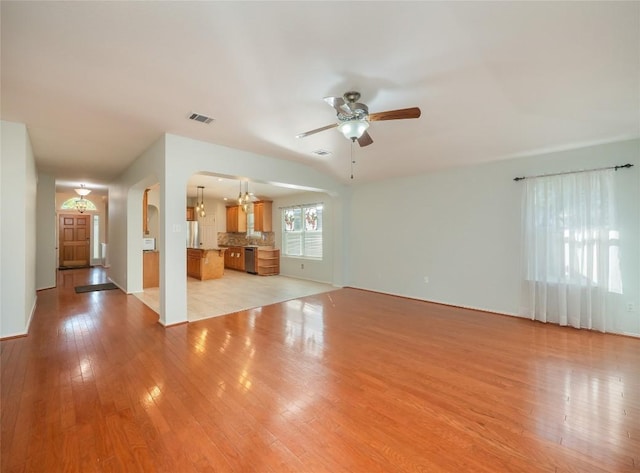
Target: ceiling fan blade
339 105
365 139
335 102
400 114
317 130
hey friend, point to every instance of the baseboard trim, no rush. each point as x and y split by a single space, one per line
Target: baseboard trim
33 311
174 324
12 337
26 332
119 286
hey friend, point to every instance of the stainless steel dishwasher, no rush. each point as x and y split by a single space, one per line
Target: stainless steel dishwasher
250 259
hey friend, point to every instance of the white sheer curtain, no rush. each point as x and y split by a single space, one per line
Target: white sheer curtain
571 264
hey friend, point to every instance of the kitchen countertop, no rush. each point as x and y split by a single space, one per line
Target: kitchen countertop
208 249
265 247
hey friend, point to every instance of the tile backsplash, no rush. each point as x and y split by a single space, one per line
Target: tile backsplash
241 239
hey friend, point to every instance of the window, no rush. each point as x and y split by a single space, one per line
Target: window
570 231
95 253
70 204
571 249
302 231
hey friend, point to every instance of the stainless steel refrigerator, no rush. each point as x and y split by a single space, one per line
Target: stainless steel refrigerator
193 240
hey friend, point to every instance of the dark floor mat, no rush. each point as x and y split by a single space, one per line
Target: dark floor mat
96 287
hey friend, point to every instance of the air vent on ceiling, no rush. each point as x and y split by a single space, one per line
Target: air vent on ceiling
321 152
200 118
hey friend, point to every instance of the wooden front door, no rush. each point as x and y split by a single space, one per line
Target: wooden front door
74 235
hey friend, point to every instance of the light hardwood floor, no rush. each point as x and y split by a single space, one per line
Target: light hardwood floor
342 381
236 291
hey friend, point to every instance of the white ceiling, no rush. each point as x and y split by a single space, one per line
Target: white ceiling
225 188
97 82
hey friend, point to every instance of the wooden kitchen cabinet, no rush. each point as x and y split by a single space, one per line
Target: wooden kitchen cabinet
236 219
145 212
193 262
150 269
268 263
191 214
262 216
205 264
232 219
234 258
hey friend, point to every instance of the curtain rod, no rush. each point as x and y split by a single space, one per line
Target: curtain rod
628 165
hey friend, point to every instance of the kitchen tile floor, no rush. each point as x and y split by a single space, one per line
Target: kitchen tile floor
236 291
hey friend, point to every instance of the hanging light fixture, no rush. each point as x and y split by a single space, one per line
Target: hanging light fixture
246 200
83 191
81 203
353 129
200 201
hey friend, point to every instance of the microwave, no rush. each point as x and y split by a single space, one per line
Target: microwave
148 244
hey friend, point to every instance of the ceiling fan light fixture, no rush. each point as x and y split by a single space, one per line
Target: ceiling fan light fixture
353 129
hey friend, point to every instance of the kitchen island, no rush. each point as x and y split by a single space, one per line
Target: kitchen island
206 263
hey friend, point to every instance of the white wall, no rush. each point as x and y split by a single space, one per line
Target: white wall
46 225
315 270
460 228
125 218
17 230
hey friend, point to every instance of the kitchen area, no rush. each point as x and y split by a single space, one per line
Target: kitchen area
230 250
246 245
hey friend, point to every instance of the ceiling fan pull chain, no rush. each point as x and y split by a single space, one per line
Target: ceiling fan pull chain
352 160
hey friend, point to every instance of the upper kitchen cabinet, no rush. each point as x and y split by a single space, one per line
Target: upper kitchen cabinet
236 219
150 212
191 214
145 214
263 221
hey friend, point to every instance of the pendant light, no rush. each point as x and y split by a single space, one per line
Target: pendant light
244 201
200 201
81 203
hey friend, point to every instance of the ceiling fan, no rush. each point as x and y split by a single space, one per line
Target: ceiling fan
354 117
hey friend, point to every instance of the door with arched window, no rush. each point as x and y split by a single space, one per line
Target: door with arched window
75 236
